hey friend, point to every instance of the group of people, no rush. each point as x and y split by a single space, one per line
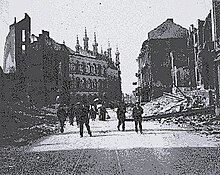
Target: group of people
82 113
136 114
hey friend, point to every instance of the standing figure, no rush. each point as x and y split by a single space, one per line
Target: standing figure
92 113
102 112
77 112
121 116
137 115
62 115
70 114
83 118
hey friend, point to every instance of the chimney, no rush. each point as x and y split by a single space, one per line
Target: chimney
170 19
46 33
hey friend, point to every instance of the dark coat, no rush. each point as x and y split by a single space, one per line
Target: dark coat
102 110
70 112
92 113
137 113
61 114
82 114
121 112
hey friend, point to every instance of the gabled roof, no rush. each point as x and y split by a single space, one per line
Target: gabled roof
168 29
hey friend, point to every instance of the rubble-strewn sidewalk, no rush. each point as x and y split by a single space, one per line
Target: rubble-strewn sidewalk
21 124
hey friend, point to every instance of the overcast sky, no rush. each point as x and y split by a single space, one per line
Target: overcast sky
122 22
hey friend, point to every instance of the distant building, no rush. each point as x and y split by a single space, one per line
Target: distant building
94 75
165 44
45 70
48 70
216 39
201 41
37 63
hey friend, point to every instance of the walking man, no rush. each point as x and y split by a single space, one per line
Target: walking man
77 111
121 116
102 112
137 115
82 112
70 114
92 113
62 115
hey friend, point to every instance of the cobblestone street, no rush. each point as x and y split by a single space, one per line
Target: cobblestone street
161 149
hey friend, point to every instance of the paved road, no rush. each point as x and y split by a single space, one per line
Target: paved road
162 149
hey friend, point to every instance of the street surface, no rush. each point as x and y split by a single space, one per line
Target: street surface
161 149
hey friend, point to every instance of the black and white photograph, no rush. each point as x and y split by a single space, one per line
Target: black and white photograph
110 87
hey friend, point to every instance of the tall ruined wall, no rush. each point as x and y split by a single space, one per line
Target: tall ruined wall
9 64
216 18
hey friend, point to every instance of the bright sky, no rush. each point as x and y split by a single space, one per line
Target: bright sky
122 22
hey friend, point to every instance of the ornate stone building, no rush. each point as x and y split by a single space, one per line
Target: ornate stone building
94 75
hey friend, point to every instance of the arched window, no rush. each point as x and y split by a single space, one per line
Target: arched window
77 83
84 85
91 69
105 71
95 85
88 70
95 68
99 85
83 68
99 70
89 84
77 67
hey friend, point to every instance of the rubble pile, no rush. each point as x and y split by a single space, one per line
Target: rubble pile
207 124
164 104
21 124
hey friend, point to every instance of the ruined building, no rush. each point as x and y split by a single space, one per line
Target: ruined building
201 41
45 69
164 51
15 54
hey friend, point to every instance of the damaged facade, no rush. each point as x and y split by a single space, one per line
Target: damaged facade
194 58
201 40
165 49
45 70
